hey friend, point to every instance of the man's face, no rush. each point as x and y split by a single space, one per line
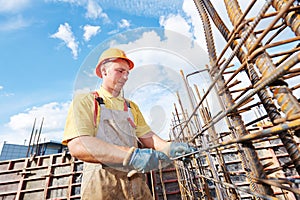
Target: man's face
116 74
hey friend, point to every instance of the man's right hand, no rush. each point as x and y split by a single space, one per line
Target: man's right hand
144 160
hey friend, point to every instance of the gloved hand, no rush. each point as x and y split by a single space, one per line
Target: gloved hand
180 148
175 149
144 160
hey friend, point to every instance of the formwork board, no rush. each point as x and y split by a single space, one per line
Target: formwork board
56 176
165 184
59 176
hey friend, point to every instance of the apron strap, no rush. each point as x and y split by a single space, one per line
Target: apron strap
126 106
97 100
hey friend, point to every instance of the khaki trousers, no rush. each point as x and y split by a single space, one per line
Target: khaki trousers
112 184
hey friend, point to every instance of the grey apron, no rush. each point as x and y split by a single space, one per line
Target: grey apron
111 182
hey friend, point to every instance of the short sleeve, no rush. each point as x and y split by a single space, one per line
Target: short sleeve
80 118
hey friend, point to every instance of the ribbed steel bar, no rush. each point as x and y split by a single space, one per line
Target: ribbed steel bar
207 31
244 36
280 185
267 67
179 123
225 65
185 184
232 194
261 49
251 160
292 18
263 60
266 197
255 42
260 85
219 190
284 58
277 73
252 136
263 94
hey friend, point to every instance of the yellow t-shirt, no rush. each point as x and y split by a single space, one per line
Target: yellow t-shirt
80 119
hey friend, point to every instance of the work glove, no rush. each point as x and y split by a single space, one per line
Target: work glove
144 160
175 149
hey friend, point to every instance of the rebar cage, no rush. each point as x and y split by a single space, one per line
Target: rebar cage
255 79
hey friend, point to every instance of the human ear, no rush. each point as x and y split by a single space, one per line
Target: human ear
103 71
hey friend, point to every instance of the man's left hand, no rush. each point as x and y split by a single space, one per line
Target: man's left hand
180 149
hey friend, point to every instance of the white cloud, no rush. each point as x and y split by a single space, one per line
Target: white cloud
14 23
54 115
7 94
4 93
194 22
76 2
124 23
113 32
65 34
175 23
156 77
90 31
158 109
149 8
13 5
94 11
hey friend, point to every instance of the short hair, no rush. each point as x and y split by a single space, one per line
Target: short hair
105 65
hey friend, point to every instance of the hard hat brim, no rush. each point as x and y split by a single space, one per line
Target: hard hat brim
98 66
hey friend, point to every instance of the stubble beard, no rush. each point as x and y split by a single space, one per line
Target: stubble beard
118 87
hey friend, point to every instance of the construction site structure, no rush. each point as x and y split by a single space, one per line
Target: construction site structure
58 176
246 139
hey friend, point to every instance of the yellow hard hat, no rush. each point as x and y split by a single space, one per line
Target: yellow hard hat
111 54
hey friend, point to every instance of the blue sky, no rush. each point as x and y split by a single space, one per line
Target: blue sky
49 49
45 45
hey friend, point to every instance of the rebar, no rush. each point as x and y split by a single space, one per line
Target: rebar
256 157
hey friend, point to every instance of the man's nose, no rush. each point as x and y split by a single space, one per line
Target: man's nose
125 75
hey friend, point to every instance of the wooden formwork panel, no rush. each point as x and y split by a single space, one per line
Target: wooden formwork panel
56 176
166 184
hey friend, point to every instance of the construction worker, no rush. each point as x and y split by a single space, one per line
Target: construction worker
109 133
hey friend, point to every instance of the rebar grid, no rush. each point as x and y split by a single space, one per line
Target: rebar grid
256 79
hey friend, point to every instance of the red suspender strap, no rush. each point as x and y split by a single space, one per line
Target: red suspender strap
131 122
96 95
96 107
125 106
